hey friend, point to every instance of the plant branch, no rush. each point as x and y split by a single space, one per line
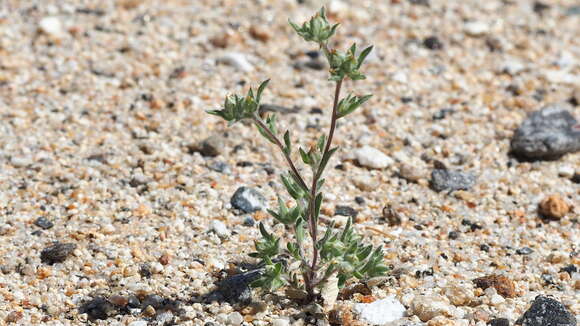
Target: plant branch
313 191
262 125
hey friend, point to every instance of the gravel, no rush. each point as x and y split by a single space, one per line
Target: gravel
57 253
451 180
120 93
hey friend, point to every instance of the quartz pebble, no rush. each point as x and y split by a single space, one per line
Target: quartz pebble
372 158
427 307
52 26
476 28
235 319
236 60
220 229
381 312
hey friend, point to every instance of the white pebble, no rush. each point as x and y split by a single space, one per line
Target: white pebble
20 162
281 322
372 158
476 28
51 26
382 311
138 323
220 229
235 318
566 171
237 60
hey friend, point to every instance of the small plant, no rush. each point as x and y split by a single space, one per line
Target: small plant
337 254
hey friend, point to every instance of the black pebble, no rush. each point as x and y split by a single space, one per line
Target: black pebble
345 211
499 322
145 270
433 43
57 253
484 247
524 251
43 223
359 200
453 235
569 269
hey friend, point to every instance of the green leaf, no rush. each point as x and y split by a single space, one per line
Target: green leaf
305 157
363 55
261 90
326 158
300 231
317 205
321 142
288 145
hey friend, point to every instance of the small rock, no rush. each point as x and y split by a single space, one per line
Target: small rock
433 43
138 323
391 215
14 316
249 221
524 251
236 60
248 200
20 162
476 28
281 322
512 67
453 235
372 158
365 182
57 253
427 307
496 299
569 269
502 284
499 322
546 311
43 223
566 171
345 211
553 207
547 134
443 113
51 26
118 300
97 308
260 33
220 229
459 295
451 180
235 319
211 146
410 173
236 289
220 167
382 311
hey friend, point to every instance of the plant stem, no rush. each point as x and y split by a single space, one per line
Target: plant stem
313 224
262 125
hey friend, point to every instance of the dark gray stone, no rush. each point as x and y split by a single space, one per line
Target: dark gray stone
451 180
98 308
236 289
220 167
345 211
546 311
43 223
57 253
210 147
524 251
499 322
248 200
547 134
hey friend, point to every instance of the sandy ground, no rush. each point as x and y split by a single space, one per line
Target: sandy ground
102 105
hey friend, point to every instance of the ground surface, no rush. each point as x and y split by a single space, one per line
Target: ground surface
102 107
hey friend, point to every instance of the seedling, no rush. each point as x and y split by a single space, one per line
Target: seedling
315 258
